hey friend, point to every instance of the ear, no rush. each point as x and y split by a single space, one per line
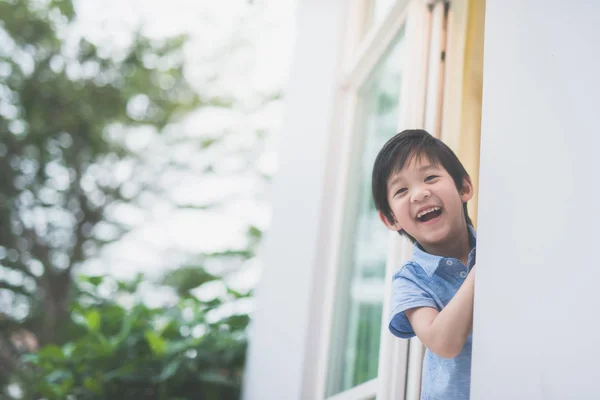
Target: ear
393 226
467 191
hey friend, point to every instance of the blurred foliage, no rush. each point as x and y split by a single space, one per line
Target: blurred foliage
191 350
58 104
66 109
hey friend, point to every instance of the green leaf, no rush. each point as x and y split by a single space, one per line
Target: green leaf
90 320
169 370
58 376
237 322
216 378
132 285
67 384
51 353
33 358
208 142
239 295
93 280
68 349
93 320
92 385
254 232
119 373
180 346
66 8
126 327
157 344
187 278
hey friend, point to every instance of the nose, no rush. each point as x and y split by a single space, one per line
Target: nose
420 194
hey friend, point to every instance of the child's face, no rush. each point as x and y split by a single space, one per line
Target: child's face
426 202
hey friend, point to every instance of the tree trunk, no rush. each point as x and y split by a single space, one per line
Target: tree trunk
57 289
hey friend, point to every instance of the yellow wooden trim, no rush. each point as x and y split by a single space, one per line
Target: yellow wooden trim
470 127
461 116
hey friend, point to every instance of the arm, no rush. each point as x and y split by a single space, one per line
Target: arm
445 332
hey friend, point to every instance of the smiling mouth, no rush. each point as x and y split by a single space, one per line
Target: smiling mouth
429 214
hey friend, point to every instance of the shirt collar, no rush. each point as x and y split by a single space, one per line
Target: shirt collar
430 263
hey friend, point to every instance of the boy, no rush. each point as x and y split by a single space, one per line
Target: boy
421 189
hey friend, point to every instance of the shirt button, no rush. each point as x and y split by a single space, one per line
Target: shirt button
449 262
463 274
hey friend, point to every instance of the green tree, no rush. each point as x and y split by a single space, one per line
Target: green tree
58 107
188 350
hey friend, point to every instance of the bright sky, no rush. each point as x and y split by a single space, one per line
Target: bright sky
268 26
264 29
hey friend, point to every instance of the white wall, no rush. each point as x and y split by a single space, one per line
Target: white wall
281 320
537 330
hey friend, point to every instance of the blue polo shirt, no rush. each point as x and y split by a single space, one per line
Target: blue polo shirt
432 281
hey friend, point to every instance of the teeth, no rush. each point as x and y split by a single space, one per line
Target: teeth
432 209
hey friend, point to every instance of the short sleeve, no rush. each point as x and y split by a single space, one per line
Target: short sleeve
406 294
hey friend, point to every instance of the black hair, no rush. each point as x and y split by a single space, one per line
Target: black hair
399 150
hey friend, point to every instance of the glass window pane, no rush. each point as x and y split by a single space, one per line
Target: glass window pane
357 321
376 10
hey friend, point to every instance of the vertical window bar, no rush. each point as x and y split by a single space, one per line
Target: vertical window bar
437 56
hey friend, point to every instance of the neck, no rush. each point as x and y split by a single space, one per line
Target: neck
457 247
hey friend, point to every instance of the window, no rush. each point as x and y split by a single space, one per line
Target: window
394 78
363 254
321 332
378 81
375 11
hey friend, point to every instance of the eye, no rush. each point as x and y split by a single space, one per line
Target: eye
431 177
400 191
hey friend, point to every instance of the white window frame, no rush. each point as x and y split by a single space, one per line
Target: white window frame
414 14
425 98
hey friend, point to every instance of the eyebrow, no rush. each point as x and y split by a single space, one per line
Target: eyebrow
394 181
427 167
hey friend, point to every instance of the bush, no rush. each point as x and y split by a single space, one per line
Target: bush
184 351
